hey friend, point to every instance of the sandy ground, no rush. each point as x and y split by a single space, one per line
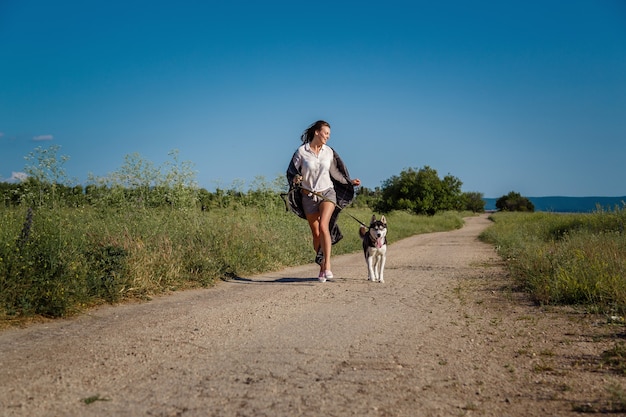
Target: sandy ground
444 336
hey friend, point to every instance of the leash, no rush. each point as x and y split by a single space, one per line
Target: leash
299 188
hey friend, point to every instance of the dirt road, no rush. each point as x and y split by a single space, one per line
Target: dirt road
442 337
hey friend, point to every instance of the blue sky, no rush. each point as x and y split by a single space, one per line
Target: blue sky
526 96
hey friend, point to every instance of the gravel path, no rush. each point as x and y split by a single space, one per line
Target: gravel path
442 337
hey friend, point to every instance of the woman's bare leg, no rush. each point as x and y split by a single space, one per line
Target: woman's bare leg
326 211
314 224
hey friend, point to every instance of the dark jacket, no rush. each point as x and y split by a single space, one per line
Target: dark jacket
344 192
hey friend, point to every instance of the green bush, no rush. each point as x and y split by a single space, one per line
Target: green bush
514 202
420 192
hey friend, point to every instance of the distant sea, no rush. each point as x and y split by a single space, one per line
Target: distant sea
568 204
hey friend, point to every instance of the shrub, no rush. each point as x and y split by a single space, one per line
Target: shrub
420 192
514 202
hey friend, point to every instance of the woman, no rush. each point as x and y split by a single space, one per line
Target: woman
325 188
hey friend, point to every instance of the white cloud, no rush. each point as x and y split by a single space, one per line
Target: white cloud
18 176
43 137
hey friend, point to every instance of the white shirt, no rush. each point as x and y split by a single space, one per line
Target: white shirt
317 169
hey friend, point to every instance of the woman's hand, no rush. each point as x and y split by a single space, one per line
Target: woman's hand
356 182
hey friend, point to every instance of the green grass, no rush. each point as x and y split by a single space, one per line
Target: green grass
94 398
573 259
59 262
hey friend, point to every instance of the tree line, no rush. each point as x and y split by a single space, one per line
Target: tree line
140 183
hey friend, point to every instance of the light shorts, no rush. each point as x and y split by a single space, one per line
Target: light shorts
311 204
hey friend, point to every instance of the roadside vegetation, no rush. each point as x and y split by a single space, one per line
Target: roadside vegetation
56 262
146 230
576 260
567 259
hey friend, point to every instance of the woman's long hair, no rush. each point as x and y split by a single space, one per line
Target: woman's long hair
309 133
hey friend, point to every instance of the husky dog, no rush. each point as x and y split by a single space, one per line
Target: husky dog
375 248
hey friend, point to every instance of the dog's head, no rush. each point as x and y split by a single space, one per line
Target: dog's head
378 230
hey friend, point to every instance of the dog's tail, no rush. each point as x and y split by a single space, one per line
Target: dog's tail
362 231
